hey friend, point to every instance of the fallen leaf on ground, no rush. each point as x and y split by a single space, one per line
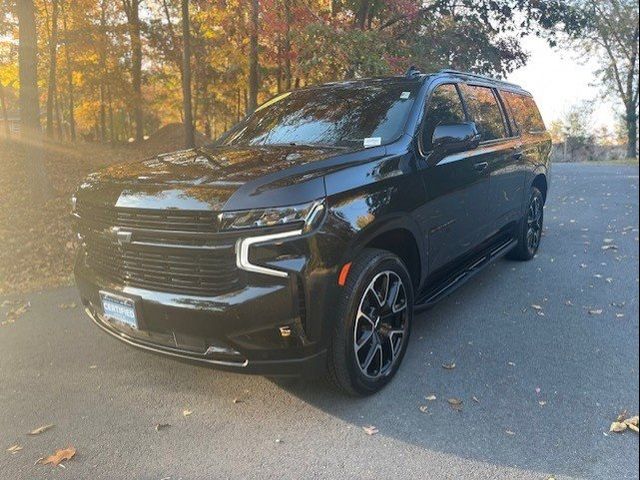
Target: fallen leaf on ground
370 430
42 429
475 399
536 307
509 432
455 403
511 364
632 421
60 456
16 312
618 427
431 398
14 449
449 366
186 413
67 306
609 247
161 426
237 400
595 311
423 408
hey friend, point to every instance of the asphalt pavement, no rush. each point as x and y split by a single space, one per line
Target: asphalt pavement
545 353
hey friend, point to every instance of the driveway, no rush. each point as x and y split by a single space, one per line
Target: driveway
545 353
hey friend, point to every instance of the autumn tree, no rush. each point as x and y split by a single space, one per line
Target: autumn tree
186 76
611 36
53 56
254 74
28 68
132 10
99 88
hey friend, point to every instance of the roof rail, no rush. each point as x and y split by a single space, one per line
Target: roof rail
482 77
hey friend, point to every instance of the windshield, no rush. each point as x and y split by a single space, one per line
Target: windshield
350 114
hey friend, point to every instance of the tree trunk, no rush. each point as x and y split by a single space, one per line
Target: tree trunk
112 130
103 115
132 10
67 55
631 119
104 72
254 80
5 115
362 14
288 18
59 128
28 66
30 129
53 60
186 77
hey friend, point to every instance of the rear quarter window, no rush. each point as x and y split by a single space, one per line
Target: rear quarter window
525 112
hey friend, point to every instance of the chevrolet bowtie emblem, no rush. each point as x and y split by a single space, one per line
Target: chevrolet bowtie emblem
122 236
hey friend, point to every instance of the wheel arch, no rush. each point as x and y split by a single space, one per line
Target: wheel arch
400 236
540 182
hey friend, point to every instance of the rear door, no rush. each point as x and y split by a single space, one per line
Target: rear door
501 150
534 138
457 192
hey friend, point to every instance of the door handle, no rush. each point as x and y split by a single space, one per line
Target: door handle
481 167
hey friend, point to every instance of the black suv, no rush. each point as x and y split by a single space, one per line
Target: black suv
304 238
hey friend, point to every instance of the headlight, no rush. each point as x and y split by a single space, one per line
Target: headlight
306 216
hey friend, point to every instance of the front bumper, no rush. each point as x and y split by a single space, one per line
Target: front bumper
238 331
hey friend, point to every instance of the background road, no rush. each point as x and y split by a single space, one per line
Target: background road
105 398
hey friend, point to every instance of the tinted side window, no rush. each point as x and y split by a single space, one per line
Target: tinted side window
444 107
484 109
525 112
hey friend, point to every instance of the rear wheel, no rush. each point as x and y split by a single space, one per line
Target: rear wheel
373 323
530 228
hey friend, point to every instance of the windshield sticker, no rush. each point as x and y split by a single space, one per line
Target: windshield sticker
405 95
372 142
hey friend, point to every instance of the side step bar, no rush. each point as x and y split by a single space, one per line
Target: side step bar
434 294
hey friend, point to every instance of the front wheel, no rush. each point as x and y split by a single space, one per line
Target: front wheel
373 323
530 228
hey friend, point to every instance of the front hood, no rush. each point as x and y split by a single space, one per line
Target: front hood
217 178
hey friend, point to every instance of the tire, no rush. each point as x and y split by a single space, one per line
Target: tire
371 335
529 234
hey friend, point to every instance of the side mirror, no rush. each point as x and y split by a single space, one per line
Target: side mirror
455 137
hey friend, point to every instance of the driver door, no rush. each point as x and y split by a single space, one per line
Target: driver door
457 185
